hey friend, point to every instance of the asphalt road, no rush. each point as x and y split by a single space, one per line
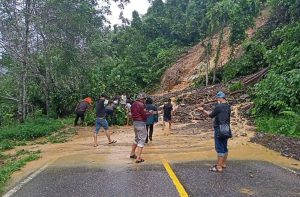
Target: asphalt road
241 178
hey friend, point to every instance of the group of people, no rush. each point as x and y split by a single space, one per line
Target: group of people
105 108
111 105
144 115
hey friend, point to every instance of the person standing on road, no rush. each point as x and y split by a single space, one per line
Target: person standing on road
221 115
128 113
80 110
151 119
101 120
139 116
167 117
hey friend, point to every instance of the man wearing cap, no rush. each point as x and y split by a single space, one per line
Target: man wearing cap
139 116
81 108
221 115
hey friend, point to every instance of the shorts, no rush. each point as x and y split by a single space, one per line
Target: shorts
140 132
101 122
167 118
220 145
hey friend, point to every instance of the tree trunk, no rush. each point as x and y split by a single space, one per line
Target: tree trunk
218 54
24 72
207 54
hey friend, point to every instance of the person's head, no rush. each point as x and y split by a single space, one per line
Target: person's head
149 101
142 96
88 100
169 100
221 97
102 96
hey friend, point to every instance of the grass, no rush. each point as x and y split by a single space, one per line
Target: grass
12 163
31 129
282 125
20 134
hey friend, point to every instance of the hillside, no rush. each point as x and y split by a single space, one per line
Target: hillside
192 65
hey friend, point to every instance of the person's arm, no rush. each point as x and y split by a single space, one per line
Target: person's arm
211 114
76 107
144 112
172 110
155 110
204 111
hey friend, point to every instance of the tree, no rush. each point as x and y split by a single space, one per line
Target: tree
237 15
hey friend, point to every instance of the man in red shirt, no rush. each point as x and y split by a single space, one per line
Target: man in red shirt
139 116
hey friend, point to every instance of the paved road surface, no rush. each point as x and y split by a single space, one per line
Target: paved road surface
242 178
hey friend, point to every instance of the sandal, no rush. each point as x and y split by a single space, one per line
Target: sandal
139 161
215 169
133 157
112 142
224 167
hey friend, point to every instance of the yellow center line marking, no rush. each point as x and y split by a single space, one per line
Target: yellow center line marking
176 182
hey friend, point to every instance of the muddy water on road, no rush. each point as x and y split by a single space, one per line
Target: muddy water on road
165 145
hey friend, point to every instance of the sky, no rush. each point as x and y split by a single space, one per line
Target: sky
139 5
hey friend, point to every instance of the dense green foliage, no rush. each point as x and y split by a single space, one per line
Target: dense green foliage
288 123
284 74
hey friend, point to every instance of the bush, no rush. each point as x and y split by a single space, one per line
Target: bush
285 125
251 61
30 130
279 91
236 86
120 115
89 118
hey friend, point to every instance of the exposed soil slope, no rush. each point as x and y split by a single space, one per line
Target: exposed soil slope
192 65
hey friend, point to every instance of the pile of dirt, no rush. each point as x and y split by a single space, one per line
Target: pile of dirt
287 146
186 103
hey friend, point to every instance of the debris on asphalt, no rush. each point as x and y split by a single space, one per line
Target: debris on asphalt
287 146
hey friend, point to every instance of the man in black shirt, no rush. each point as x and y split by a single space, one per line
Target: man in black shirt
221 115
168 109
101 121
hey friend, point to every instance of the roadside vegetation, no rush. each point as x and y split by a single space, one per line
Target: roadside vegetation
39 130
30 130
9 163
